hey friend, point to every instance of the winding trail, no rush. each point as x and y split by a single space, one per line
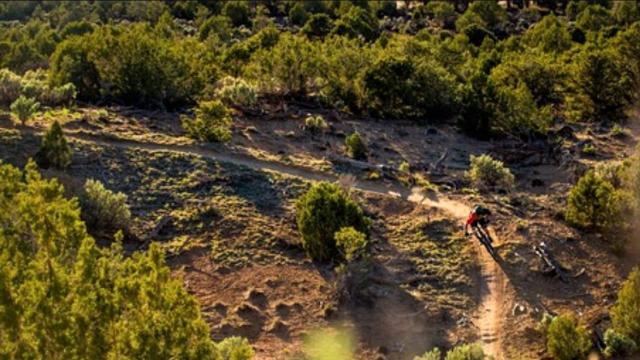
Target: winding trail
492 279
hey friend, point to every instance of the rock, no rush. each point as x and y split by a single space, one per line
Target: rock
518 309
432 131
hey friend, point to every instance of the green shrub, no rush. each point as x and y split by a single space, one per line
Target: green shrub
600 87
550 34
35 84
625 12
566 340
212 122
442 11
351 243
594 18
485 172
618 344
235 348
238 12
401 87
357 22
315 124
356 148
70 63
466 352
434 354
100 299
288 68
318 26
219 26
297 15
24 108
323 211
103 209
237 92
592 203
10 86
625 314
54 151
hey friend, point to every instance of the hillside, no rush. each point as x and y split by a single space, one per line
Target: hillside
291 180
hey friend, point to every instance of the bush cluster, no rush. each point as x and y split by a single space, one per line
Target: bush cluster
461 352
237 92
212 122
348 55
103 209
315 124
34 85
322 215
626 312
488 173
566 340
100 299
594 203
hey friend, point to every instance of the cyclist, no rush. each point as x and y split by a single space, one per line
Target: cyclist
479 216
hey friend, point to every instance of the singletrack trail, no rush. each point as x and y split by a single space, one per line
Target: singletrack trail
492 278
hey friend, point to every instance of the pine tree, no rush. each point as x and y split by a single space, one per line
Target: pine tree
55 150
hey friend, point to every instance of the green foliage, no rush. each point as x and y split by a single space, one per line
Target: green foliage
323 211
460 352
618 344
593 203
297 14
434 354
103 209
594 18
315 124
237 12
220 26
351 243
61 295
401 87
541 74
54 151
287 68
318 26
71 63
356 148
237 92
625 314
466 352
551 34
566 340
235 348
443 12
212 122
486 172
133 64
625 12
357 22
486 14
24 108
76 28
601 86
10 86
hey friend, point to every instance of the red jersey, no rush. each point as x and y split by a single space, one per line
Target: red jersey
473 218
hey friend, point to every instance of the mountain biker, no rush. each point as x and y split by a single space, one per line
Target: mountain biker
479 216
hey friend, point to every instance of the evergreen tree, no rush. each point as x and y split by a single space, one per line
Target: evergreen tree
54 151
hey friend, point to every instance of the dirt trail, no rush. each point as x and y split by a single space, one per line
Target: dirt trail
492 278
